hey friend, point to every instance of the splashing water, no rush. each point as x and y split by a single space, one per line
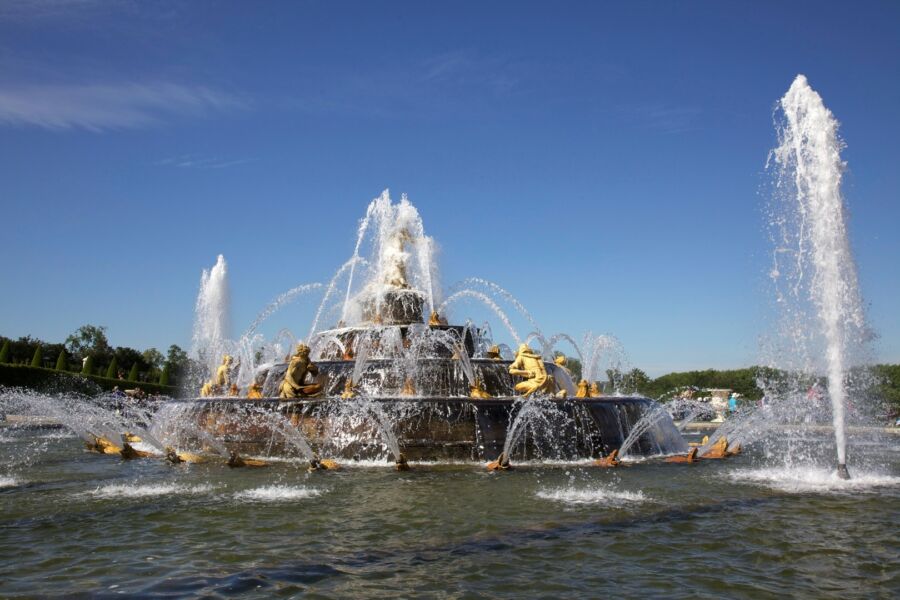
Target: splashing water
814 273
282 300
539 418
212 315
483 298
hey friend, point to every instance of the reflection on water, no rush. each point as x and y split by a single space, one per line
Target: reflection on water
78 523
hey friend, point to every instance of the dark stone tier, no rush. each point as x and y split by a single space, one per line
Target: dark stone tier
429 428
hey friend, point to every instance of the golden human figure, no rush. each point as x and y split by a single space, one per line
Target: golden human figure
583 390
478 391
595 390
493 353
294 384
223 373
530 365
255 391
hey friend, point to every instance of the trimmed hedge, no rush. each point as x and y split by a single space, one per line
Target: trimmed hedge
42 379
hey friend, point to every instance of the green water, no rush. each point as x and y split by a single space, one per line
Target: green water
78 524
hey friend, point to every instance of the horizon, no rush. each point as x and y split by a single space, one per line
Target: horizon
649 165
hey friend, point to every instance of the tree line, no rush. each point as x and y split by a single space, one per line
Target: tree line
88 351
882 382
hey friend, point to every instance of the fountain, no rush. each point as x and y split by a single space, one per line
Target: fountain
823 328
393 379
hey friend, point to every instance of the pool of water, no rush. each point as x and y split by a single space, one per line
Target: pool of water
75 523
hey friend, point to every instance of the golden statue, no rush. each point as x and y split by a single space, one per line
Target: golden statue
718 450
609 461
560 360
234 391
223 373
530 365
493 353
294 384
349 389
478 391
435 319
690 457
409 389
595 390
582 391
222 380
235 461
129 452
255 391
175 457
501 464
323 464
102 445
701 443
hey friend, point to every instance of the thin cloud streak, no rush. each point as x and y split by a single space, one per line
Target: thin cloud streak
100 107
195 161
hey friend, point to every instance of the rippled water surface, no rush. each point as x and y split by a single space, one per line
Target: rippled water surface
75 523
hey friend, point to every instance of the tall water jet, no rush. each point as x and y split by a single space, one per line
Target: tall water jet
212 315
814 273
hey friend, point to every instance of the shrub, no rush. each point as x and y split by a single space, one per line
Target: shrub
133 373
38 359
40 378
112 368
88 366
4 352
61 364
164 376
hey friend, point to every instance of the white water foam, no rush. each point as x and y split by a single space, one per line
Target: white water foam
277 493
813 479
597 495
6 482
131 490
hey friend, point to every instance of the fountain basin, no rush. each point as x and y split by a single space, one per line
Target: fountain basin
441 428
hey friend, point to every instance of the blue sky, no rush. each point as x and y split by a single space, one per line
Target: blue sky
602 161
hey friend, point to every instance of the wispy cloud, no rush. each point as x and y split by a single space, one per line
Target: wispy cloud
99 107
41 10
664 118
196 161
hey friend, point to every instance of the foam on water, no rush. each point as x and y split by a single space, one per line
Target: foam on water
597 495
6 482
277 493
132 490
813 479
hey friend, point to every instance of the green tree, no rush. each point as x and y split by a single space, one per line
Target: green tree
133 373
87 368
89 340
37 359
164 376
635 381
61 364
153 358
111 370
4 352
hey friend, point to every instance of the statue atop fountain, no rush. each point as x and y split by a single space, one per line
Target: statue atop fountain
294 384
530 365
222 381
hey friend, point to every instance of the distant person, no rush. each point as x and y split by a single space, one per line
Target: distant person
732 402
